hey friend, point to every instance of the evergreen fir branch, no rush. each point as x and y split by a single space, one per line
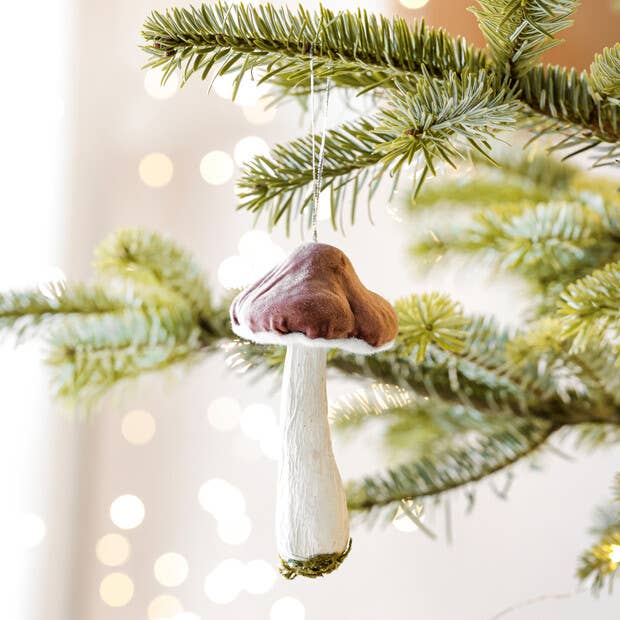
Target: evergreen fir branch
90 357
589 309
605 73
476 191
543 351
519 31
430 318
563 104
356 49
516 176
154 264
27 313
477 376
440 121
472 459
380 399
481 377
594 436
597 565
412 426
546 243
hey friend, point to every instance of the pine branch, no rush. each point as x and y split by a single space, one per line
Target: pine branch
475 377
151 311
160 270
563 104
450 468
361 51
430 318
440 121
26 313
599 564
589 309
519 31
517 176
542 352
91 357
356 49
413 426
605 74
550 244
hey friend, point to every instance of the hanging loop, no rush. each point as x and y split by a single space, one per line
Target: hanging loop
317 159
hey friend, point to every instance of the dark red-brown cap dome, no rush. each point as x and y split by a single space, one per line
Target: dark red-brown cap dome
314 297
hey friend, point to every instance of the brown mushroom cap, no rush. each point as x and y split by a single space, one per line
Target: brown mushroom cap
314 297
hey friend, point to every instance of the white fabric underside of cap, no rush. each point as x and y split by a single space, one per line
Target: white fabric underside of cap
351 345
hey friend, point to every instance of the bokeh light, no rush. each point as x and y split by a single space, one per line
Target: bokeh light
138 427
32 530
127 512
112 550
216 167
157 90
221 499
254 243
223 413
234 530
116 589
234 272
270 442
224 583
261 113
249 92
614 554
257 255
414 4
249 147
156 170
164 607
255 418
258 577
287 608
170 569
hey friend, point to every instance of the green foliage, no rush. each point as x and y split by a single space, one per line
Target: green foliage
89 358
470 459
590 308
515 177
148 309
542 241
599 564
436 90
605 73
358 50
430 318
565 107
26 312
519 31
440 121
549 242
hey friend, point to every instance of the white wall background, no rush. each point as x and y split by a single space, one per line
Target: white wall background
69 472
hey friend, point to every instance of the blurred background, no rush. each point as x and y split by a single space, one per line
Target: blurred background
160 505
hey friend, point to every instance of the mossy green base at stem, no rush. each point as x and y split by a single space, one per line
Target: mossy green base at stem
316 566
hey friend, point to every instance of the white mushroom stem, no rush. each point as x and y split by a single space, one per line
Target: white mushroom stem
311 511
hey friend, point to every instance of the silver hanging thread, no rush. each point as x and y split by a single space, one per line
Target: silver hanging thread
317 167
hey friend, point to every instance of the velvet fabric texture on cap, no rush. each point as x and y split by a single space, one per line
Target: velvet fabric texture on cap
315 297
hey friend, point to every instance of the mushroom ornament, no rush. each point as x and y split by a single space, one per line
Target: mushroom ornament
311 302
